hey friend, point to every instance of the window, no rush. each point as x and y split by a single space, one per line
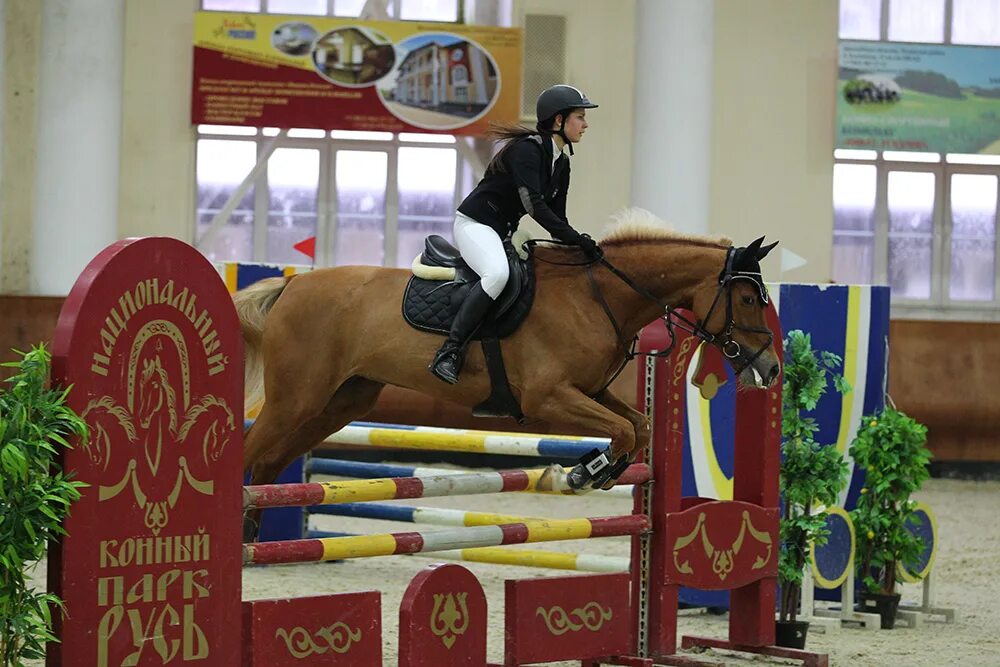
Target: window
911 200
975 22
427 198
293 191
361 181
221 168
973 237
923 223
916 20
854 226
860 19
446 11
367 197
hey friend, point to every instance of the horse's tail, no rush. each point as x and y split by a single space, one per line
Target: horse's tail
252 305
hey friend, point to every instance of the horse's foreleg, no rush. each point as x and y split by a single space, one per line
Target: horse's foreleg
569 407
638 420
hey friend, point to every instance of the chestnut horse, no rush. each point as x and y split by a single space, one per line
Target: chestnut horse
324 343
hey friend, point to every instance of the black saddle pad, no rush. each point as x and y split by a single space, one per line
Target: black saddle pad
431 305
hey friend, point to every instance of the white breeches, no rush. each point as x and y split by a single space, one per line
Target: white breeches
482 250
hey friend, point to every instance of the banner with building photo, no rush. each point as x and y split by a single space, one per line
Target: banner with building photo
343 74
918 97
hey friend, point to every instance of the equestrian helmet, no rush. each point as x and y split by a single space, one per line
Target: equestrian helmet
559 98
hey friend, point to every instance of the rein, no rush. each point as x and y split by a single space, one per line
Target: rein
671 317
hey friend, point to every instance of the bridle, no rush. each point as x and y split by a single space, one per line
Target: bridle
672 318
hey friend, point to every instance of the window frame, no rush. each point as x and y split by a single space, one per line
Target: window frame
326 205
939 306
393 9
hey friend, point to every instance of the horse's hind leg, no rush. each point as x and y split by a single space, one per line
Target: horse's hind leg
281 435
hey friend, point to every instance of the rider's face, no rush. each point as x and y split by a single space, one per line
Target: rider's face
576 125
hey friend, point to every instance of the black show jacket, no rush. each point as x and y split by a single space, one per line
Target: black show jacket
526 186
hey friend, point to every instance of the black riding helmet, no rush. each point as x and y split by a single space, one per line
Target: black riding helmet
559 100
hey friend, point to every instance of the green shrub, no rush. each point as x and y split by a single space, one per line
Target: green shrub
812 474
890 446
35 423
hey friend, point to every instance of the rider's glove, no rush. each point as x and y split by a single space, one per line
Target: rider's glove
589 247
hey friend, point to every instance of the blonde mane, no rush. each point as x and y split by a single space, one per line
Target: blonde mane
635 224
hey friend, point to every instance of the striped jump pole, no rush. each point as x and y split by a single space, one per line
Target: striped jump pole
550 479
399 436
436 516
554 560
462 440
364 470
364 546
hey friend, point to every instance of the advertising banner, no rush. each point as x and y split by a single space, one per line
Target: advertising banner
918 97
343 74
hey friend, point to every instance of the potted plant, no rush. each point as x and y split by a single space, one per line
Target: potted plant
35 423
891 447
812 474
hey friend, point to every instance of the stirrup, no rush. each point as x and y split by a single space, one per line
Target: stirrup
443 357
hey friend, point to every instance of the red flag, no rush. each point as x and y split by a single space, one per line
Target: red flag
307 247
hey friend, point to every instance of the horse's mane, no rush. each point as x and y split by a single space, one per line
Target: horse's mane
637 225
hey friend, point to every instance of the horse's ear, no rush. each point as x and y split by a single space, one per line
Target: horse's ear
762 252
754 247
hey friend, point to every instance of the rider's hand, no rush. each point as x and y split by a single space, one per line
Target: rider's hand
589 247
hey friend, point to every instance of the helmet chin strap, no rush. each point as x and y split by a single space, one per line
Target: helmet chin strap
562 133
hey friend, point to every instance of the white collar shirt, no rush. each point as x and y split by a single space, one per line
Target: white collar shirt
556 152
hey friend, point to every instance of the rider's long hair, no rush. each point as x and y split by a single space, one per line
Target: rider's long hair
507 134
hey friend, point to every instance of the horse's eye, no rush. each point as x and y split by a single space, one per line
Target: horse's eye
749 300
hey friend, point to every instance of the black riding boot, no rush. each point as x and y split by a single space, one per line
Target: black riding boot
448 360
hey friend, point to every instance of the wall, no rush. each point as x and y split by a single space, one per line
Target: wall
22 28
29 321
157 151
773 121
600 60
945 374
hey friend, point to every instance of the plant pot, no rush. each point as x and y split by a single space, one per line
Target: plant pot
883 605
791 634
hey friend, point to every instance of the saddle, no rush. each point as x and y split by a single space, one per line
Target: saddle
441 280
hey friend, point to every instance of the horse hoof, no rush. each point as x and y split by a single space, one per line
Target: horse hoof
578 477
552 479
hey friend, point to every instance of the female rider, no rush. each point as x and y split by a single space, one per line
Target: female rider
528 175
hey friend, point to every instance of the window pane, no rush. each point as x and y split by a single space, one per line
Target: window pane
361 180
350 8
221 167
426 184
911 233
429 10
361 135
975 22
234 240
916 20
853 222
973 237
306 133
232 5
427 138
860 19
293 186
296 7
233 130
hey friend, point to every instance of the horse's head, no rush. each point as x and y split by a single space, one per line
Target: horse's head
732 308
152 391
